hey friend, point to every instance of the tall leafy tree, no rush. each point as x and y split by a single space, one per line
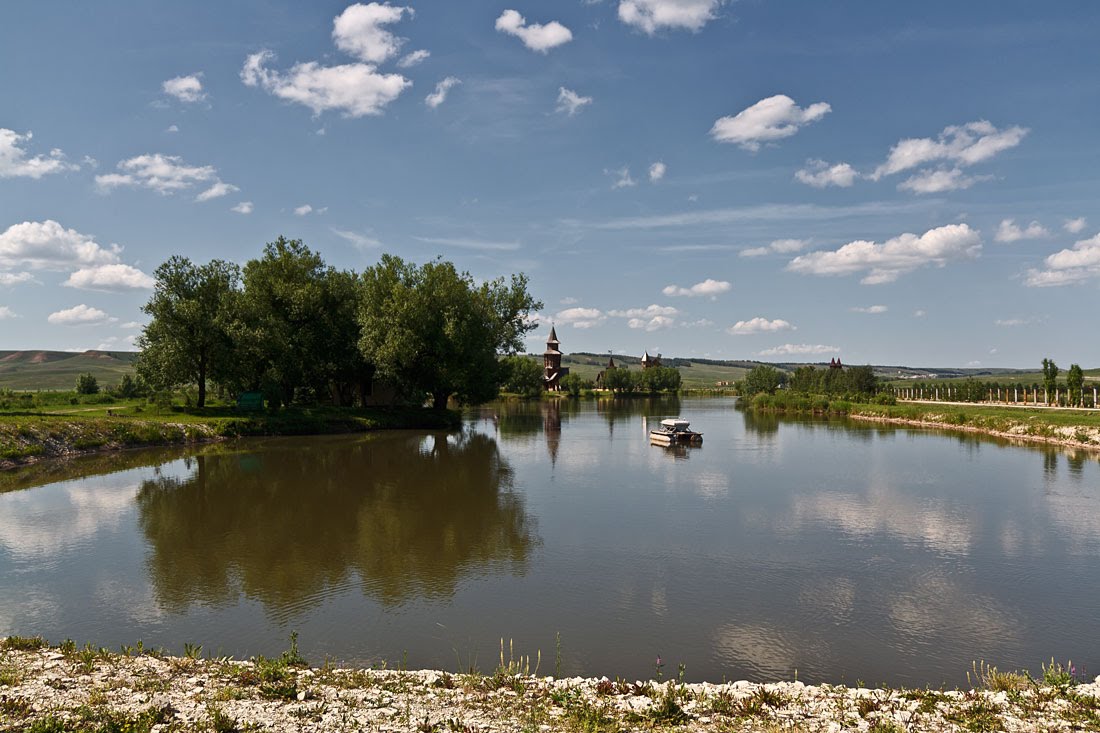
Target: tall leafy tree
187 339
431 329
1050 377
761 378
1075 381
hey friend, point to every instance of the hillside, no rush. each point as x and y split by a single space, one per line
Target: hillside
58 370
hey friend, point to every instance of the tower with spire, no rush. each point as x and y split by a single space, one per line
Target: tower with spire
552 371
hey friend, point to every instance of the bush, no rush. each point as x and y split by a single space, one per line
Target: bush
87 384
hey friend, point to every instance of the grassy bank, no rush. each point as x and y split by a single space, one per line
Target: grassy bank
1061 427
71 688
27 436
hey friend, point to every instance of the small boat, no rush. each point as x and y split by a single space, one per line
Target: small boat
674 430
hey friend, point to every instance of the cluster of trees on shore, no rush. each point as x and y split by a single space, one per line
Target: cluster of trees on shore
524 376
849 382
296 329
1070 393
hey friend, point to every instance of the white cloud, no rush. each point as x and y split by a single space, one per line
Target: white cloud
14 162
218 190
651 16
580 317
412 59
439 96
657 171
359 31
940 180
536 36
570 102
361 241
569 300
773 118
47 245
185 88
132 325
7 313
1075 226
15 278
110 278
872 309
650 311
244 207
778 246
759 325
356 90
820 174
1068 266
885 262
303 210
651 324
475 244
962 145
798 350
172 128
1013 322
80 315
707 287
165 174
623 178
1008 231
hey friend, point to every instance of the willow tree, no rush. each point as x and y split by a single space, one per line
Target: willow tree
432 330
187 339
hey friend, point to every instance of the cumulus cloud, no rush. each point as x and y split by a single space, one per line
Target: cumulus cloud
650 311
244 207
165 174
777 246
360 31
872 309
7 313
938 181
1008 231
303 210
623 178
1068 266
706 288
570 102
110 279
439 96
820 174
885 262
536 36
185 88
770 119
657 171
962 145
651 16
651 324
412 59
356 90
15 278
16 163
47 245
759 325
218 190
798 350
80 315
580 317
1074 226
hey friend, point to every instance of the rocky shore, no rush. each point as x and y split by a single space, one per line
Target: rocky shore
45 689
1077 437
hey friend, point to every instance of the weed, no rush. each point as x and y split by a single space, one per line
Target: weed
23 643
720 704
584 716
605 687
866 705
192 651
990 678
978 716
1055 675
885 726
667 710
221 722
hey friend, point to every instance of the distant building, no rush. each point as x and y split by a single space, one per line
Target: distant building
648 362
609 367
835 363
552 371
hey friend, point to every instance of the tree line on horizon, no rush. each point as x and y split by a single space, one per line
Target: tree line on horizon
297 330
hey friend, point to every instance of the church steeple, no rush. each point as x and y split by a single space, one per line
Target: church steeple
551 363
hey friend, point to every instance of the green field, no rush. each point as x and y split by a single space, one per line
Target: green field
58 370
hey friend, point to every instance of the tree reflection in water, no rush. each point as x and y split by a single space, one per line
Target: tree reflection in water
407 516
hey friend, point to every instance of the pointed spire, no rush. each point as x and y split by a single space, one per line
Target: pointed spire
553 336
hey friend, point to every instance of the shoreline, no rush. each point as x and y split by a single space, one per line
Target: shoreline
66 688
1019 437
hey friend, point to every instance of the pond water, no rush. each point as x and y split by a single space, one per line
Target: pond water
835 550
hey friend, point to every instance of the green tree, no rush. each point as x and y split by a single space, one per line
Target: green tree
1075 382
1050 378
522 375
573 384
759 379
660 379
431 329
619 379
87 384
187 340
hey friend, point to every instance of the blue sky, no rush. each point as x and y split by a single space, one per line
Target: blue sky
884 182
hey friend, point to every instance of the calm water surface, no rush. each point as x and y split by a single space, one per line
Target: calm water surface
841 550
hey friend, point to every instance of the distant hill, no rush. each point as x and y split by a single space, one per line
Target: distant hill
58 370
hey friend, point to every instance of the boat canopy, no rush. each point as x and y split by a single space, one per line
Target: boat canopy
675 423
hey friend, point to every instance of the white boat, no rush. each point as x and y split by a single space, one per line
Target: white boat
674 430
